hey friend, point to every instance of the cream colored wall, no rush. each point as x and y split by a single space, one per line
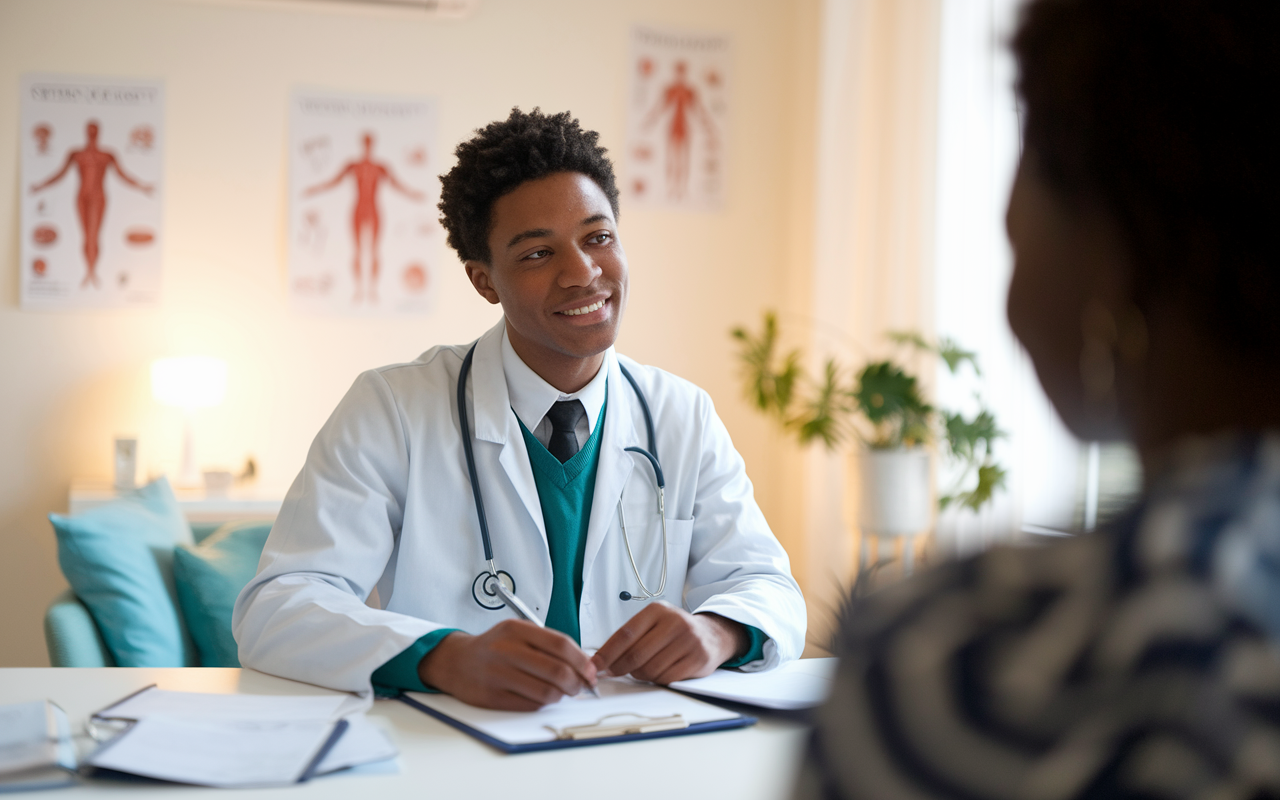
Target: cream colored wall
71 381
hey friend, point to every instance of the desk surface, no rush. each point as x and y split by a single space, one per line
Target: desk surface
437 761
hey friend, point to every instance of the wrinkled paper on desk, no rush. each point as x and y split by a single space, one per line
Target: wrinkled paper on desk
221 753
240 740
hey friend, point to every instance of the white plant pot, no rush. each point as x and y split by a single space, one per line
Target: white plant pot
895 491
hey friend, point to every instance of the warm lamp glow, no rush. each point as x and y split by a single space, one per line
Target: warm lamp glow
189 381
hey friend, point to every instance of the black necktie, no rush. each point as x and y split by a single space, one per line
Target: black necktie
564 416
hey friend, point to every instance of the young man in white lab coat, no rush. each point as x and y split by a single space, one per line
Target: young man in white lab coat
384 499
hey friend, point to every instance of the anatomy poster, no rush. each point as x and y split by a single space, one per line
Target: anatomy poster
678 118
363 235
92 170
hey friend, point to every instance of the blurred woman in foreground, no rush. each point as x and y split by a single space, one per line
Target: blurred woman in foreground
1144 660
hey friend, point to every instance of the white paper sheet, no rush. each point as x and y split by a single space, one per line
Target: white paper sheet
794 685
233 707
216 753
617 696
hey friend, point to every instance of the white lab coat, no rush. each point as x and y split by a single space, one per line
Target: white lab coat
384 501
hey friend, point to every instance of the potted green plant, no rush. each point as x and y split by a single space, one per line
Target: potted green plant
881 407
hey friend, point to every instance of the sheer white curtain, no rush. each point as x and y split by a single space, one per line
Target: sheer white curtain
872 233
978 145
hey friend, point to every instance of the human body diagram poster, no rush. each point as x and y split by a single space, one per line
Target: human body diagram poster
92 171
678 118
363 236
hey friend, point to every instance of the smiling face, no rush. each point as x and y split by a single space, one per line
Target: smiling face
560 273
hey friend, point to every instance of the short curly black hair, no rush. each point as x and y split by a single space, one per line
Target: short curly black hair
1162 110
505 154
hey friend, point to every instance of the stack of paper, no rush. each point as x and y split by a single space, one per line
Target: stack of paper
238 740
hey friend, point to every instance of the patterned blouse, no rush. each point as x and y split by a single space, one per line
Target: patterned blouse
1140 661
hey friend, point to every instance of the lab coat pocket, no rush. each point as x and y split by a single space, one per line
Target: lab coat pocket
644 532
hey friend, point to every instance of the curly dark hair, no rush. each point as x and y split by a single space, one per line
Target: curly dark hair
1162 110
505 154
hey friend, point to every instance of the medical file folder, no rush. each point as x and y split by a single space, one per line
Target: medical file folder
627 710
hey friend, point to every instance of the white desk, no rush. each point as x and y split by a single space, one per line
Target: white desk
437 761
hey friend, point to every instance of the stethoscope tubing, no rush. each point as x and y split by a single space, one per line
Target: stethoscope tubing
471 459
651 455
662 585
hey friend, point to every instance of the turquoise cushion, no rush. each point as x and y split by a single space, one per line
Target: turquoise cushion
203 530
118 559
210 575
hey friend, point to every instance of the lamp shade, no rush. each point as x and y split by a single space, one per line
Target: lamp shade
189 381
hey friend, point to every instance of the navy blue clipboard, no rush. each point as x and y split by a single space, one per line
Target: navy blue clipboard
560 744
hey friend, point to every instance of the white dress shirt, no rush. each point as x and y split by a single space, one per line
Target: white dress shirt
532 397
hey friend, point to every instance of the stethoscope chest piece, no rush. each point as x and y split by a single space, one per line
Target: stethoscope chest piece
482 589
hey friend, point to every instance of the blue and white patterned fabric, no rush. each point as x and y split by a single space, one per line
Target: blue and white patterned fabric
1140 661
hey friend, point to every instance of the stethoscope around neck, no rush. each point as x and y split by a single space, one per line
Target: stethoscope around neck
483 587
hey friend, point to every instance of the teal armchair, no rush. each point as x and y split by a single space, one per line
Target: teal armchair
71 634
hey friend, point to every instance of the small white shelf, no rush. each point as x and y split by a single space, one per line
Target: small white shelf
249 502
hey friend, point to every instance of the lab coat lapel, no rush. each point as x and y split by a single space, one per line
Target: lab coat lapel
496 422
615 464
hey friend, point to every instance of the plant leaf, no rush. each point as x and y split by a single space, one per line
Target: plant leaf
912 338
820 418
964 436
990 478
955 356
768 388
947 348
884 391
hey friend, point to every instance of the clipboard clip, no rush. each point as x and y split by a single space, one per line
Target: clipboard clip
631 724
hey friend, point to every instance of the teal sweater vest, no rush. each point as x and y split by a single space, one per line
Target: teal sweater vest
565 491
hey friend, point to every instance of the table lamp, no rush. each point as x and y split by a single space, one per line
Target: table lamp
189 382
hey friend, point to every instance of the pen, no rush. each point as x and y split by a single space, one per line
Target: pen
518 606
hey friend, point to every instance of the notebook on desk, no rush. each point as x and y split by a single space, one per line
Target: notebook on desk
793 686
626 710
